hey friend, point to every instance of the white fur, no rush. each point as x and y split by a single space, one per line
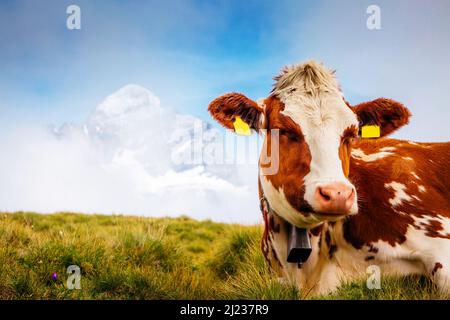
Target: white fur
400 194
387 149
431 251
415 175
360 155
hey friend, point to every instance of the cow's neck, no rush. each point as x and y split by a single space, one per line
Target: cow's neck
298 242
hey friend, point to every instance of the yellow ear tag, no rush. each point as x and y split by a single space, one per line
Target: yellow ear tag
241 128
370 131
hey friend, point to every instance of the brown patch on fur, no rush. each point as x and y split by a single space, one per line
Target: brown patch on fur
275 227
275 256
265 238
328 238
316 231
437 266
319 244
332 250
345 148
294 155
433 229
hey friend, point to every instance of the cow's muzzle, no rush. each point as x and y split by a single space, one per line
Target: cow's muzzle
334 199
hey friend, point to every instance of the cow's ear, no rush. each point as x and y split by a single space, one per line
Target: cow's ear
388 114
225 110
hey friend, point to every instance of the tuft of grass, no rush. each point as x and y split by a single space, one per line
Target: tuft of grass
145 249
391 288
233 251
23 285
124 257
253 280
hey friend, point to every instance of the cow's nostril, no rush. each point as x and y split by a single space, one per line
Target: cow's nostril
324 195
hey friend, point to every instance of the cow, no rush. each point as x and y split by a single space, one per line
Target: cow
364 202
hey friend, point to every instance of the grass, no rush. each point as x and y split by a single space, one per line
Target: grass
152 258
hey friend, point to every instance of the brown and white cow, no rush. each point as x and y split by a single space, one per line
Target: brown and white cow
381 202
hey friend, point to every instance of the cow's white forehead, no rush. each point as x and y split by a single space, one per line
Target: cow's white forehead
320 115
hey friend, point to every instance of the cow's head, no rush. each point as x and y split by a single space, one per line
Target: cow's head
317 128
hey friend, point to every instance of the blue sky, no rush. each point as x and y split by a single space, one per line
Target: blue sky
188 52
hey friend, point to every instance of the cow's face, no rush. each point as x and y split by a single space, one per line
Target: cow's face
316 129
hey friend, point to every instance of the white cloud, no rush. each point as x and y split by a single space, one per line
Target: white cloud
121 161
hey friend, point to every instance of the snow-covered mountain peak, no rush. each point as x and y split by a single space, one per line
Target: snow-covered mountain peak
129 98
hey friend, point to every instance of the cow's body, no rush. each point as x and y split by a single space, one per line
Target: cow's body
403 224
380 202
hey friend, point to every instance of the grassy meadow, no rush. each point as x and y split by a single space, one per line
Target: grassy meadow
125 257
